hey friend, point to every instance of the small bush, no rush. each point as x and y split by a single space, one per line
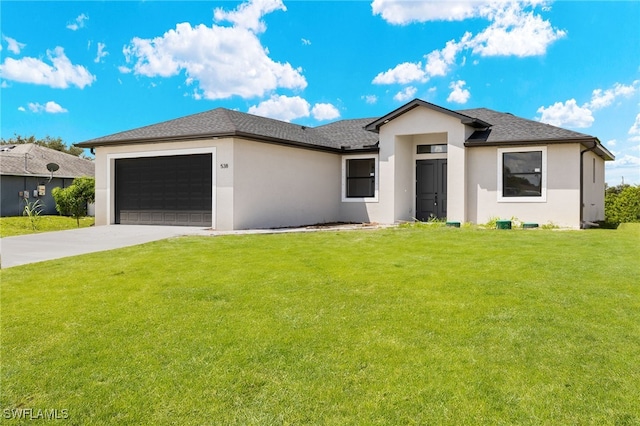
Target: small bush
72 201
549 225
33 210
491 223
622 204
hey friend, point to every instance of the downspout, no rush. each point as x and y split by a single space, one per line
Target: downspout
593 147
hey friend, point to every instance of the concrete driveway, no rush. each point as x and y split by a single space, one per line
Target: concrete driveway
15 251
20 250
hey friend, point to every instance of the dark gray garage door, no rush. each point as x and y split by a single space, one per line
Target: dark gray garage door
168 190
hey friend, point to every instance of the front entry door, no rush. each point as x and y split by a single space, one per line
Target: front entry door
431 189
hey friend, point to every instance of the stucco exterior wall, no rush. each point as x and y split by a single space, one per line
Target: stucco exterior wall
397 163
593 175
277 186
562 206
223 182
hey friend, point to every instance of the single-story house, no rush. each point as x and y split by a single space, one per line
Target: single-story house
231 170
24 176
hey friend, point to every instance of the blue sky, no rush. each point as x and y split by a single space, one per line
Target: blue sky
80 70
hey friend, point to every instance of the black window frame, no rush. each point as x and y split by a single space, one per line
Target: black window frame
353 175
520 183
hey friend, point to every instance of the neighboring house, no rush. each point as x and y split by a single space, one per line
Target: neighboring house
232 170
24 176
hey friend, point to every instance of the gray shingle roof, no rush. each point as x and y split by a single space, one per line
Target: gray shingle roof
349 133
221 122
31 160
492 128
507 127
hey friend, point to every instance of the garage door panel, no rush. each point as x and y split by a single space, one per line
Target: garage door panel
170 190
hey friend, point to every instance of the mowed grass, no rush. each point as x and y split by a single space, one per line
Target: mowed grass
400 326
21 225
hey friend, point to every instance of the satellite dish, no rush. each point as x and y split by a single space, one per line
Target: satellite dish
52 167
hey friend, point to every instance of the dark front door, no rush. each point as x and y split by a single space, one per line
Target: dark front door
166 190
431 189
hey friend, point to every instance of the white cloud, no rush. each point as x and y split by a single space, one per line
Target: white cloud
566 114
406 12
370 99
21 108
404 73
282 107
514 32
78 22
571 115
626 168
458 93
439 61
60 74
611 143
13 45
101 53
124 70
222 61
635 128
323 111
626 161
50 107
406 94
249 15
603 98
306 42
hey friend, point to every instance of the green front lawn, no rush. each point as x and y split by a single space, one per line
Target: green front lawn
400 326
21 225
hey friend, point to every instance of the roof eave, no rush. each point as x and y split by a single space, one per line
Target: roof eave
94 143
203 136
597 147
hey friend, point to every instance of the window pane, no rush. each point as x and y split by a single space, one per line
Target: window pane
431 149
522 162
361 187
361 178
365 167
522 185
522 174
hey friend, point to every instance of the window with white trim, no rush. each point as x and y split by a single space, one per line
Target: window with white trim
522 174
360 178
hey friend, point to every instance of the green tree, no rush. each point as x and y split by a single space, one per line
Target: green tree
622 204
72 201
48 142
